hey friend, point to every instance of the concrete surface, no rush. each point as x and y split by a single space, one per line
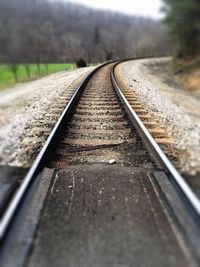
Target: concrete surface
104 216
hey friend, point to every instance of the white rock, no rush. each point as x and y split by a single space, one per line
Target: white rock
25 105
175 109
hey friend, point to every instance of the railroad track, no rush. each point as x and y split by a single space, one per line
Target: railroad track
104 124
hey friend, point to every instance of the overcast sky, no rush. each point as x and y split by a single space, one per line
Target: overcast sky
139 7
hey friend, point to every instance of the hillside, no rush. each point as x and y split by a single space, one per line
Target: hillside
42 31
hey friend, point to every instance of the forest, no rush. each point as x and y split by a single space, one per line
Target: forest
39 31
183 20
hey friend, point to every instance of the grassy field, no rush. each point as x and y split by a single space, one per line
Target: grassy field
7 78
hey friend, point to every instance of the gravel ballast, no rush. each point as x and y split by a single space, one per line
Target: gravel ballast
177 110
24 105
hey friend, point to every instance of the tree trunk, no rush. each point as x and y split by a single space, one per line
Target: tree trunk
27 71
14 68
38 69
47 69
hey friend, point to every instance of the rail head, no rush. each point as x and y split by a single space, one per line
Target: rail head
43 156
154 149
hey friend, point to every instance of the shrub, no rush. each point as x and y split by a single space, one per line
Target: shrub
81 63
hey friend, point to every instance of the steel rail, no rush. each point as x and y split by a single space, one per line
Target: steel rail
154 149
43 157
45 154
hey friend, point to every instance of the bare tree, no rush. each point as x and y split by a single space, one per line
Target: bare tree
44 32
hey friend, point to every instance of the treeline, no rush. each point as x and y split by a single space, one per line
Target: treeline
39 31
183 19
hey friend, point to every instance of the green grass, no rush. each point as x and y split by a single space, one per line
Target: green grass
7 78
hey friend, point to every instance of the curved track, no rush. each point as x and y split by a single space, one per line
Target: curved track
101 126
